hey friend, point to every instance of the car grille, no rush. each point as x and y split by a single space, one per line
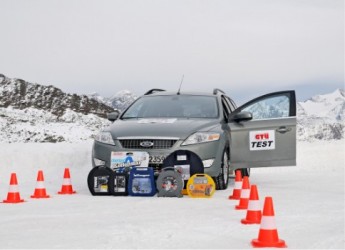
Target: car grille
157 144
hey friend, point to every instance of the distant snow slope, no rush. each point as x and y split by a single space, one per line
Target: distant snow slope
33 125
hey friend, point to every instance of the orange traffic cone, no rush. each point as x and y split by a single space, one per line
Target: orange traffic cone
268 234
245 191
236 193
40 191
254 210
67 184
13 195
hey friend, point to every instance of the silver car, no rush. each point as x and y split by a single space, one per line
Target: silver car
260 133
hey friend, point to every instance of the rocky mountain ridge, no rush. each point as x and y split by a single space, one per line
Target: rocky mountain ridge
32 112
20 94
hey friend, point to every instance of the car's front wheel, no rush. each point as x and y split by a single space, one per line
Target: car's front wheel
222 180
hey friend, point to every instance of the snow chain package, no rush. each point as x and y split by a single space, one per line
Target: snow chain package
201 186
98 180
169 183
141 182
185 162
118 183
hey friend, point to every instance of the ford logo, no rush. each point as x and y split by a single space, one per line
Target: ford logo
146 144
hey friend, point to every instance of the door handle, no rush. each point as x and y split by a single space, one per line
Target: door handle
283 130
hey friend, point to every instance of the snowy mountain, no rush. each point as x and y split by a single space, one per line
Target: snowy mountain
21 94
322 117
330 106
121 100
36 113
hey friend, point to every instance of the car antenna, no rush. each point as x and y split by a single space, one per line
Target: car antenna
178 92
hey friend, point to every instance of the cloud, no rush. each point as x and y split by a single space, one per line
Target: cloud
106 46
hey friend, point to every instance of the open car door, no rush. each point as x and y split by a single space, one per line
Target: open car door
263 132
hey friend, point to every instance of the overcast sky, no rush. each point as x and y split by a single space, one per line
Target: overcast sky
245 47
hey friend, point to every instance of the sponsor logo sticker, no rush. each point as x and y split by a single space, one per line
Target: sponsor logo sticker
129 159
262 140
181 157
158 120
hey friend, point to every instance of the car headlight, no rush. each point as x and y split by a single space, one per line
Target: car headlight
105 137
200 137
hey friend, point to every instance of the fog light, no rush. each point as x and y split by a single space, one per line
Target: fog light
208 163
98 162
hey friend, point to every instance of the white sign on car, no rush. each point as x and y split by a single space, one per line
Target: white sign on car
262 140
129 159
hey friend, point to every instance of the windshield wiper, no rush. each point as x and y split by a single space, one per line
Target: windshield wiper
130 117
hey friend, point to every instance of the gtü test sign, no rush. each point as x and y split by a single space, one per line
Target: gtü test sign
262 140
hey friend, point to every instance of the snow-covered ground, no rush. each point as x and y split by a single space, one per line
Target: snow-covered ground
308 203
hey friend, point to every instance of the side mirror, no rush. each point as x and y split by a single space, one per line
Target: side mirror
113 115
242 116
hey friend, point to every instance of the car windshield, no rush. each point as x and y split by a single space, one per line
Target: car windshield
177 106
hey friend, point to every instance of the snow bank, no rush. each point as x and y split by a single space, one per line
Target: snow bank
34 125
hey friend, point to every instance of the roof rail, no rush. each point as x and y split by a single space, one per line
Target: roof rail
151 91
215 91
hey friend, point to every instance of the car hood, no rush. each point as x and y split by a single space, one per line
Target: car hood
170 127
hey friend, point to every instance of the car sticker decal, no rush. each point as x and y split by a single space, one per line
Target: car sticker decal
129 159
170 120
262 140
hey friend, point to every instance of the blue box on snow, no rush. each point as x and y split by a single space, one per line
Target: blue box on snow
141 182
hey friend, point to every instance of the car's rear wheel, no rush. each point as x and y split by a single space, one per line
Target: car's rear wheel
222 180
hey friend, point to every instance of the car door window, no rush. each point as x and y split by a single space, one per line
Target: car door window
270 107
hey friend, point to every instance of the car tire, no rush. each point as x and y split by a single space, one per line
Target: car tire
222 180
245 172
